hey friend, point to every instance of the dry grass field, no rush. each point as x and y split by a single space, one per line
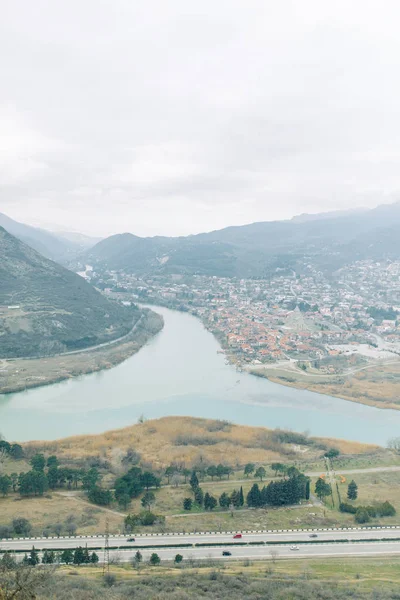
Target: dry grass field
186 440
281 579
377 386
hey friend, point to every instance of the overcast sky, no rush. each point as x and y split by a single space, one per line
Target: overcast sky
179 116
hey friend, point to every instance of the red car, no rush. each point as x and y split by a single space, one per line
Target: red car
237 536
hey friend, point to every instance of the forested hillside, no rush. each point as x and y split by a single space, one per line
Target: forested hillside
46 309
257 250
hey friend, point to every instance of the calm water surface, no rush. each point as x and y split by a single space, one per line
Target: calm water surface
179 372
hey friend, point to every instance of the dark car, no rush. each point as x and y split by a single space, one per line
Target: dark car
313 535
130 540
226 553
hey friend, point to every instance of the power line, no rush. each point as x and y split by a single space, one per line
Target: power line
106 561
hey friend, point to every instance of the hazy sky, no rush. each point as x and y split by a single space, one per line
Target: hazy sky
179 116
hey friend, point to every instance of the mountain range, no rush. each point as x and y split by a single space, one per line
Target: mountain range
326 241
258 249
59 247
47 309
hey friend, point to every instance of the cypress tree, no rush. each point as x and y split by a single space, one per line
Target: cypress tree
194 481
352 490
254 496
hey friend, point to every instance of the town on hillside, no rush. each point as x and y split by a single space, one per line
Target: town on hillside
308 320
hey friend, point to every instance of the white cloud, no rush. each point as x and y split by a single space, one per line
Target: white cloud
176 117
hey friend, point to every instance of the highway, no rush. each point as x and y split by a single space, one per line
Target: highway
275 552
154 540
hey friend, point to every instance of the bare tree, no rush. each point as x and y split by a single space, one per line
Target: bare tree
274 555
20 582
394 444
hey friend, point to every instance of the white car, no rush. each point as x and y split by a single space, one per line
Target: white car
294 547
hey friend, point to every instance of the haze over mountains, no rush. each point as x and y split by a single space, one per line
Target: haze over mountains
59 247
325 241
47 309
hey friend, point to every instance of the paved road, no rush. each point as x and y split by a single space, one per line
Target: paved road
257 553
89 348
205 538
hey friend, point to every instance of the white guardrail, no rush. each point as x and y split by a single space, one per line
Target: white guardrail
218 533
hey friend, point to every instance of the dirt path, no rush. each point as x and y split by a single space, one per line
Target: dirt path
71 496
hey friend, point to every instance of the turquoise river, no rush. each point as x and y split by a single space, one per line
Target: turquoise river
180 372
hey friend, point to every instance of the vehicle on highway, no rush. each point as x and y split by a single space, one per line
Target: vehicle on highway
226 553
237 536
313 535
131 540
294 547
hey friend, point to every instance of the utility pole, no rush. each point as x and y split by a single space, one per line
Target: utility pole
106 561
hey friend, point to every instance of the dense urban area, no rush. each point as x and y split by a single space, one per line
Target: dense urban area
315 322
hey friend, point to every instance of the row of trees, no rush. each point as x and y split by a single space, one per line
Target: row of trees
277 493
209 502
363 514
77 556
280 493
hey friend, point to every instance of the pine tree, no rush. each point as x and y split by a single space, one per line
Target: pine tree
352 490
199 496
194 481
86 556
254 496
33 559
235 498
154 559
187 504
67 556
48 557
224 500
241 497
79 556
322 488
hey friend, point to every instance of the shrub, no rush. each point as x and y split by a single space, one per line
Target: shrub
362 515
21 526
347 508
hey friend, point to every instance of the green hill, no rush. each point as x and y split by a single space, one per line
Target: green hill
46 309
325 241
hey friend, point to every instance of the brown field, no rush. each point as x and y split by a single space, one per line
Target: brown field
378 386
55 508
157 441
363 574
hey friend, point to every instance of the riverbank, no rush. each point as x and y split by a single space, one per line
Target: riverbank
17 375
378 385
